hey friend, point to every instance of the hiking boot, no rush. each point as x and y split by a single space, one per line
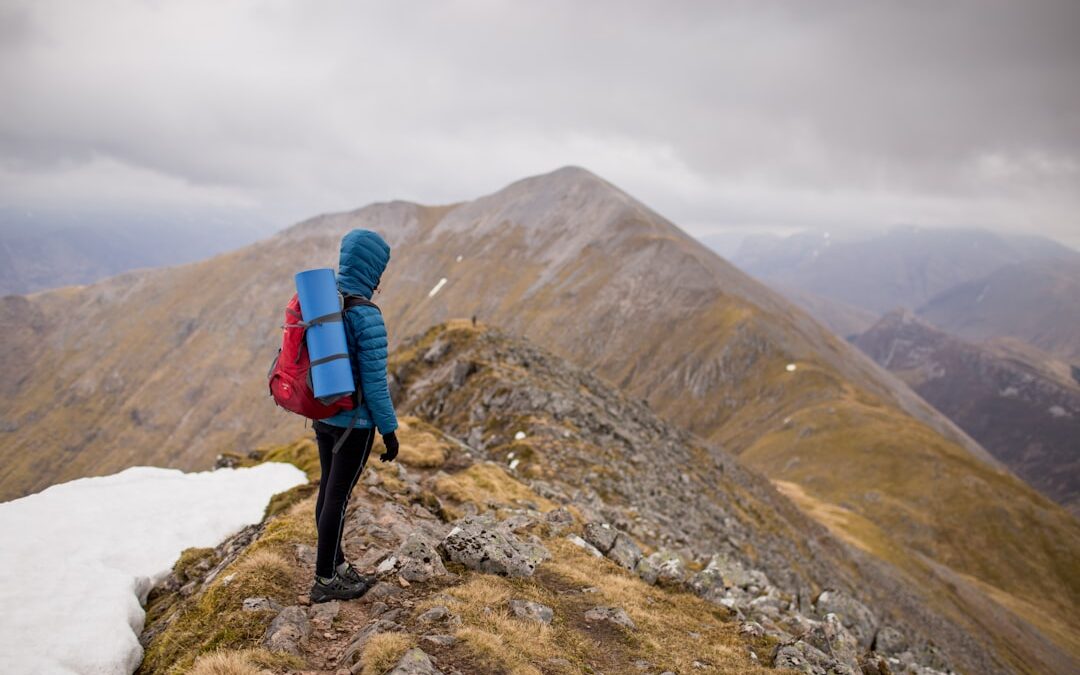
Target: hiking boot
337 588
353 577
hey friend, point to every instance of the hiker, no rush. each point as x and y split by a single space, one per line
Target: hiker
364 256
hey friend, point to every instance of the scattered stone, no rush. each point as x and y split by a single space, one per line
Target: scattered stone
439 640
305 554
558 520
832 638
287 631
322 615
804 658
381 591
415 662
260 605
855 616
663 567
615 615
417 559
601 535
534 611
434 614
589 548
478 544
303 599
356 645
625 552
752 629
890 641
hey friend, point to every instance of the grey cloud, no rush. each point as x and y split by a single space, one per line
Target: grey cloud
722 115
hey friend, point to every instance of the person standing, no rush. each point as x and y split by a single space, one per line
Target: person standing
364 256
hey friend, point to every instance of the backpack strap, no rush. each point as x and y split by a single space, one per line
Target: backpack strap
359 300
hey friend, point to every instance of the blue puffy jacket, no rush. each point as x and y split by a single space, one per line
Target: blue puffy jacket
364 256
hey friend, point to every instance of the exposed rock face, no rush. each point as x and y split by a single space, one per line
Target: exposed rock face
477 543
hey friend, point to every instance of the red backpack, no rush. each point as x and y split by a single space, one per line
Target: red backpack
290 373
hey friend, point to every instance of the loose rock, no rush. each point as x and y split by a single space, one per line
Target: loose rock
415 662
323 615
615 615
287 631
478 544
855 616
534 611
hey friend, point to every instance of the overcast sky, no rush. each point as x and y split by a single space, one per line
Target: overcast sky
723 116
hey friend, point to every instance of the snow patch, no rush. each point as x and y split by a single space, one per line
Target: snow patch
437 288
790 367
459 258
519 436
78 559
514 463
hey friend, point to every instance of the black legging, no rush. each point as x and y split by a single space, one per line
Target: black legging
339 474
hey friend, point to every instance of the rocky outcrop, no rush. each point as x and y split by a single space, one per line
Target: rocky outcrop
478 543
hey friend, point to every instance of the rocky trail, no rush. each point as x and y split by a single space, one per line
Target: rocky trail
511 538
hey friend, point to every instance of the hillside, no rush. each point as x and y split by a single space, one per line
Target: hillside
1038 302
1027 415
166 367
713 569
902 267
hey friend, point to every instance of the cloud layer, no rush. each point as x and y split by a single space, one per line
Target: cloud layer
720 115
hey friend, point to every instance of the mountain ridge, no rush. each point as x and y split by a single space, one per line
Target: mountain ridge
166 368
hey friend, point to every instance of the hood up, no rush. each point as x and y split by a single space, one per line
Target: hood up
364 256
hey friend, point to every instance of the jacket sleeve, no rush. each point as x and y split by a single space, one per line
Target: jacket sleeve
370 335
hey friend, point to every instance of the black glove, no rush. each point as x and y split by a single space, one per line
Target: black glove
390 440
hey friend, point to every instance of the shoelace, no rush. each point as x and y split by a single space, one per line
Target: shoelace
351 574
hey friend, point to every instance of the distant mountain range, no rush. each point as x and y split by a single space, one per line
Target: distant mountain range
42 253
1036 301
1025 411
903 267
166 366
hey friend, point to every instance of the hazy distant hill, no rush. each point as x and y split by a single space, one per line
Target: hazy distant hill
166 366
1036 301
903 267
40 255
1028 417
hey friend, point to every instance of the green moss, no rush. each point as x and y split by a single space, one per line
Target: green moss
283 500
189 558
303 454
215 619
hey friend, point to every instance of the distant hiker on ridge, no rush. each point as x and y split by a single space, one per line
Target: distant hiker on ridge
364 256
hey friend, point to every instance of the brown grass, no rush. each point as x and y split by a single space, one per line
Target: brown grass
384 650
488 485
665 622
240 662
421 446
